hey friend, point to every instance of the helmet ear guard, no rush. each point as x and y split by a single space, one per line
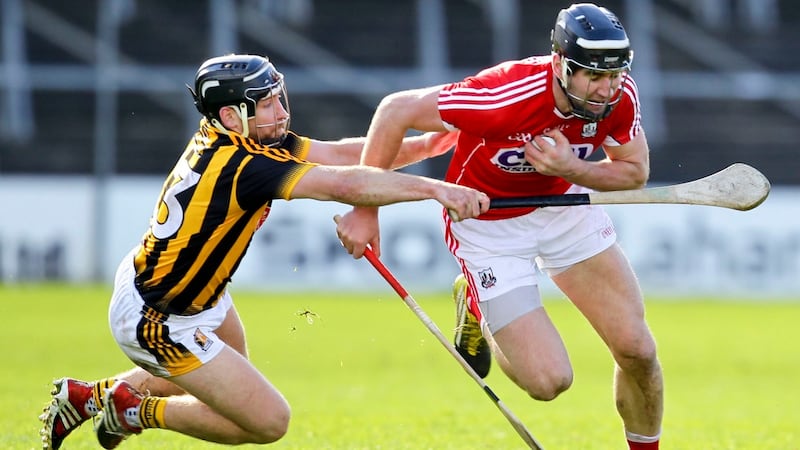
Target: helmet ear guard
215 120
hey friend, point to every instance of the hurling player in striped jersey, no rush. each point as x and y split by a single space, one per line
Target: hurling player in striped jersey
525 128
171 313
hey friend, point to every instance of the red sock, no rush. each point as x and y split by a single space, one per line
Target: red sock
642 445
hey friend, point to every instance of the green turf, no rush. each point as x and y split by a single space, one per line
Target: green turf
367 374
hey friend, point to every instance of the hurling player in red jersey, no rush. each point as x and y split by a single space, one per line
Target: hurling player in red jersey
525 128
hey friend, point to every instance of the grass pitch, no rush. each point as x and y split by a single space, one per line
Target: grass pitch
362 372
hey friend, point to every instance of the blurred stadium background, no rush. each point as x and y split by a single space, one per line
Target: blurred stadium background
94 111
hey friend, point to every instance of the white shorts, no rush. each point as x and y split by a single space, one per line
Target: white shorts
502 255
165 345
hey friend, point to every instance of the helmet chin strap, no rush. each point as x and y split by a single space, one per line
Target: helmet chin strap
577 104
242 110
218 125
565 74
563 83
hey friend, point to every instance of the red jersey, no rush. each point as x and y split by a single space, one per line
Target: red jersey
500 108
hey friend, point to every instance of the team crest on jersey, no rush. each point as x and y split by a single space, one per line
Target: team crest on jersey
202 340
589 130
487 278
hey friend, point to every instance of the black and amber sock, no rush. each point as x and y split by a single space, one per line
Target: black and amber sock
151 412
99 390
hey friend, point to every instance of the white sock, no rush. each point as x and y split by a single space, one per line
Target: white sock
633 437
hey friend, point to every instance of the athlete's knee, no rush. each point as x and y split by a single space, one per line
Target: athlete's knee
637 355
546 386
274 426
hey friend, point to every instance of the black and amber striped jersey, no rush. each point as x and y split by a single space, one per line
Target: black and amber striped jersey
211 204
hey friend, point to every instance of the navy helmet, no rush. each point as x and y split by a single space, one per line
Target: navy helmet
590 37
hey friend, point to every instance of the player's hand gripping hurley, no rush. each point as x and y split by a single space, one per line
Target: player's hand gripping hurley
387 275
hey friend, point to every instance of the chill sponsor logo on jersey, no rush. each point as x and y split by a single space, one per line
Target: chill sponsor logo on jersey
512 160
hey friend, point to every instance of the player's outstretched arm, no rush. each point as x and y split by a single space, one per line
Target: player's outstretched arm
371 186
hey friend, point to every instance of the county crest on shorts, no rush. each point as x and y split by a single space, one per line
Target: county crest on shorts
202 340
487 278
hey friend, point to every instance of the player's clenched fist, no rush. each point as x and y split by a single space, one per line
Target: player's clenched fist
463 202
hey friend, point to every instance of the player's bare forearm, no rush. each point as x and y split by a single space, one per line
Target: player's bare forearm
417 148
371 186
396 114
608 174
625 167
384 139
367 186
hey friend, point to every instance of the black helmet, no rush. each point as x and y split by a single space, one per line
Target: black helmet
240 81
592 37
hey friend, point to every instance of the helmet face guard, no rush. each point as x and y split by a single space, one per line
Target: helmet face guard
280 98
588 37
581 105
240 81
